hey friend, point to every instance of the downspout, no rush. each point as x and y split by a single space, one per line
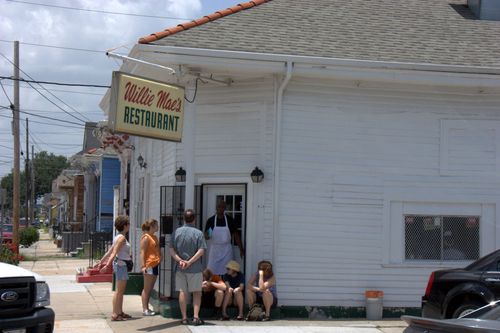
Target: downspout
277 152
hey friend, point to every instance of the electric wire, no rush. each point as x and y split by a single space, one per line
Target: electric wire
52 82
59 90
52 102
48 124
5 92
101 11
56 47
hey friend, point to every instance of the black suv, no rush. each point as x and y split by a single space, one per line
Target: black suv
452 293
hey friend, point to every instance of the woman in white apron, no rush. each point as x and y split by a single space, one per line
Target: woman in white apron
221 250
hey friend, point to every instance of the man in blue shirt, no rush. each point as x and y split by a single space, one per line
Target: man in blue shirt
187 247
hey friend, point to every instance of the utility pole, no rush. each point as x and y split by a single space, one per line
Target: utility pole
15 131
32 169
27 178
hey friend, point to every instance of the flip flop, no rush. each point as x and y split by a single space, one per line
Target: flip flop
197 322
126 316
117 318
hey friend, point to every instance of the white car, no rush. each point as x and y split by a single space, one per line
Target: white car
24 297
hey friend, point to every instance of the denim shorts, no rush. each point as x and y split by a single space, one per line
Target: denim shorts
120 271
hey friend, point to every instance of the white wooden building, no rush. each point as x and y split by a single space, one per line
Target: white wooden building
365 117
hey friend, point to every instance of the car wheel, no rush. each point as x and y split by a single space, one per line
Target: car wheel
467 308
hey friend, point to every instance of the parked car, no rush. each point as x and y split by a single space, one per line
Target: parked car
483 320
24 301
7 233
453 293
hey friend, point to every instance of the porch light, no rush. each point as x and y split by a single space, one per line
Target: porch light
141 162
180 175
257 175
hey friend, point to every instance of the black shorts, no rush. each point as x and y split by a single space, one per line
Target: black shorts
152 271
208 299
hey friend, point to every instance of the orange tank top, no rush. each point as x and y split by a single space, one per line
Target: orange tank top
152 251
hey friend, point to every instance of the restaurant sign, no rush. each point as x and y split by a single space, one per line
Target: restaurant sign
145 107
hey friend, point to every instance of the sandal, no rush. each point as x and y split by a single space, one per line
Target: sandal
239 318
266 318
224 318
117 318
184 322
197 322
125 316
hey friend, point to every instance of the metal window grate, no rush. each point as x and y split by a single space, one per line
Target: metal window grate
441 237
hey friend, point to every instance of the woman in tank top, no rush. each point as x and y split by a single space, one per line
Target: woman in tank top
151 257
120 252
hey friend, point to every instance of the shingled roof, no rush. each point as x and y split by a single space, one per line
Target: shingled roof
409 31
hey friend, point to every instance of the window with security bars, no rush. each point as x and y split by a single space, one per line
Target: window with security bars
441 237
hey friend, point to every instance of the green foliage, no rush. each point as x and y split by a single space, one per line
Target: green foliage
46 167
28 236
9 255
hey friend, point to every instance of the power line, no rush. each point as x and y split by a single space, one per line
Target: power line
101 11
49 124
59 90
56 47
49 93
53 82
6 95
7 147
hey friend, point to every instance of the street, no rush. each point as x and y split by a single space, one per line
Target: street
86 307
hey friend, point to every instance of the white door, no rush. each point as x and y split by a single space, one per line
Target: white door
234 197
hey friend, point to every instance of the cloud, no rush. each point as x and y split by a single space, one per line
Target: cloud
83 30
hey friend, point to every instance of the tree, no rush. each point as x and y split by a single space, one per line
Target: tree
46 166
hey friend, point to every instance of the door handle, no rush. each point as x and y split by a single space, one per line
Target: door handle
492 280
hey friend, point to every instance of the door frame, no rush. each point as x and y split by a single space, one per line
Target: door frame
250 211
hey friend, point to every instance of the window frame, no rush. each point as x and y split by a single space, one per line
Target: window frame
394 236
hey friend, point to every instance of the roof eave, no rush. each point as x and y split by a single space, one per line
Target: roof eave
316 61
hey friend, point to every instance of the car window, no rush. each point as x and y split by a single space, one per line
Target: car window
478 264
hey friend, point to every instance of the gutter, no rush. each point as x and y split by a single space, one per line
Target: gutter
277 152
321 61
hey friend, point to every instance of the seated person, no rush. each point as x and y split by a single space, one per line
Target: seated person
235 283
212 292
261 288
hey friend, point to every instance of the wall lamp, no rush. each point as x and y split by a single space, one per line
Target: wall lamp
180 175
257 175
141 162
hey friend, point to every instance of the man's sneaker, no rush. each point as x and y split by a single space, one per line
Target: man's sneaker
148 313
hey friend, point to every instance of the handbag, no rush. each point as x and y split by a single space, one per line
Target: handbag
130 265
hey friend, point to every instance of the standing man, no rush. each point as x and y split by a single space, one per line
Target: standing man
187 248
219 229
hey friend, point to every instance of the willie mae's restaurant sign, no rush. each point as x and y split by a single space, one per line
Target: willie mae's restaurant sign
145 107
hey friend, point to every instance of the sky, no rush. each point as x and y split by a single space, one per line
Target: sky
64 41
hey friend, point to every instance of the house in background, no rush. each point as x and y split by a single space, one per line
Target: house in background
374 123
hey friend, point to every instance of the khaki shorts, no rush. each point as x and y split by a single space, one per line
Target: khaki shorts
188 282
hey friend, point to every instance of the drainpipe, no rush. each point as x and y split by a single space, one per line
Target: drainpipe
277 152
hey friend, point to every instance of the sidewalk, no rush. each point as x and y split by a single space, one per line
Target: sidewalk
86 307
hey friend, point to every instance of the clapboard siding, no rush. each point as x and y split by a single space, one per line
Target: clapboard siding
343 148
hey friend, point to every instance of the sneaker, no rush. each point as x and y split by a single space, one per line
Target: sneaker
148 313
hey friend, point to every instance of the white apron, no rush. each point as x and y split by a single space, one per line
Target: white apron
221 250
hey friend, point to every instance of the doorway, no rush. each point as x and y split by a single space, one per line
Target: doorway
234 195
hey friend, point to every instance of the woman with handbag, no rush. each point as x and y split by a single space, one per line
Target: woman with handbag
151 257
120 255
